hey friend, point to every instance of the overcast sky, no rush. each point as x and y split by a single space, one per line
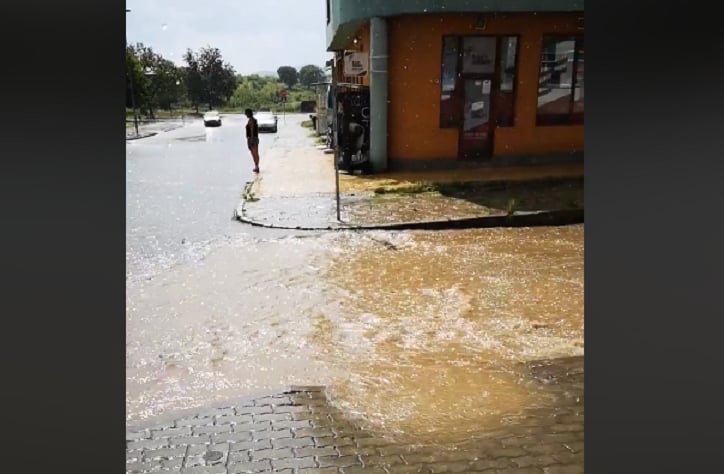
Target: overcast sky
252 35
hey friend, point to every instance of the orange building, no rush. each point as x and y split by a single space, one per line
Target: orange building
450 86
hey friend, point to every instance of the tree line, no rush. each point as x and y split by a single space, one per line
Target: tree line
206 81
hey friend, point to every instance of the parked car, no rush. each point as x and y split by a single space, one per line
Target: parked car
212 118
267 121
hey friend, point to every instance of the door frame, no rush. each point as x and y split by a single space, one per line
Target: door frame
494 77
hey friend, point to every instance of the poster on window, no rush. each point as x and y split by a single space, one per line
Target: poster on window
479 54
355 63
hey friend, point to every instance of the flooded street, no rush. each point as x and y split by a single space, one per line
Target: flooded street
416 334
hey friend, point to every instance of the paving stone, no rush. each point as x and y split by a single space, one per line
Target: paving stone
189 440
293 463
211 429
380 460
338 461
278 425
272 434
148 444
163 453
261 426
355 451
293 442
171 432
303 409
251 445
325 470
147 466
137 435
376 442
174 464
273 417
364 470
314 451
258 410
234 419
204 470
232 437
332 441
250 467
314 432
134 455
409 469
272 454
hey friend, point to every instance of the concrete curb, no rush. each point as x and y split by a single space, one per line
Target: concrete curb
532 219
130 138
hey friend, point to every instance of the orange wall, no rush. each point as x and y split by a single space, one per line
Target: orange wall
415 46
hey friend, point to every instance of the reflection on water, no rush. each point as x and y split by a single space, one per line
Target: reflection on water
434 328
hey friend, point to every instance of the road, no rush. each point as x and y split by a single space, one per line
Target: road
182 188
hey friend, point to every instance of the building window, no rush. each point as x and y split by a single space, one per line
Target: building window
560 83
450 104
493 58
504 106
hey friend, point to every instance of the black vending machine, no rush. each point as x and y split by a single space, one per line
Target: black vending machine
353 127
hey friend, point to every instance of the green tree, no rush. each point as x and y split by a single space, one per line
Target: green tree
288 75
209 80
156 80
310 74
136 80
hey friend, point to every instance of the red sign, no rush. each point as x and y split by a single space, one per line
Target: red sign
283 93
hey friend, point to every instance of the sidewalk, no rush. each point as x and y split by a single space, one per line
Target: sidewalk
296 190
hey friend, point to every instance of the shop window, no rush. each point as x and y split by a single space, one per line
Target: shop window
450 106
504 106
560 83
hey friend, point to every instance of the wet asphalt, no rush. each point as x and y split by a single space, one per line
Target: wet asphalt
184 185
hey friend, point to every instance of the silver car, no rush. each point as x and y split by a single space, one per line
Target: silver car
212 118
267 121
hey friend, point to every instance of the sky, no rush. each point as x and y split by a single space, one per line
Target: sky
252 35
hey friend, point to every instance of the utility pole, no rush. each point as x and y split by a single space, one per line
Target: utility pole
133 94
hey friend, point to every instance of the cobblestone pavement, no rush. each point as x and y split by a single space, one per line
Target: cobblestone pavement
299 432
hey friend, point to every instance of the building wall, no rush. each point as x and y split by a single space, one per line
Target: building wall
415 45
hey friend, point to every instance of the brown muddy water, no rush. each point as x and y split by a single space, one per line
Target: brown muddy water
415 333
434 329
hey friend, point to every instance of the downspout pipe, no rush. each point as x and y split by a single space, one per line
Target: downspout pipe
378 94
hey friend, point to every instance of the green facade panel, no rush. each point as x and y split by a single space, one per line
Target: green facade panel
346 16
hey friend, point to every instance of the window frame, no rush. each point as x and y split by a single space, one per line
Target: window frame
569 121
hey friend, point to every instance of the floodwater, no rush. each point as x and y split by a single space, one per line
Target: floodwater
415 333
435 328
